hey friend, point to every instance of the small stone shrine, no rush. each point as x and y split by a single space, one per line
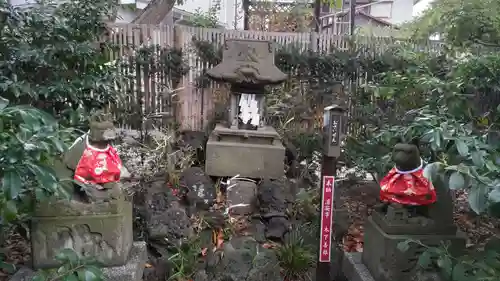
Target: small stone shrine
247 146
399 218
96 222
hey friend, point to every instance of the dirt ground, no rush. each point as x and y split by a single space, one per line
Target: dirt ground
360 198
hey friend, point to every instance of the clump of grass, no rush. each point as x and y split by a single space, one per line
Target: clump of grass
295 257
185 261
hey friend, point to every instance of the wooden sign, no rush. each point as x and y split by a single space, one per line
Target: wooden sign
326 218
335 129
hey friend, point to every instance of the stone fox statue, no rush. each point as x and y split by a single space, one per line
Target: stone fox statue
405 184
94 162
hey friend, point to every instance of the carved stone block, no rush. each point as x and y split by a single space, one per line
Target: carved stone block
101 230
248 153
387 263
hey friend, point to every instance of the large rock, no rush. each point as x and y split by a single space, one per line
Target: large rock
164 217
100 230
198 188
241 197
244 259
271 197
173 226
273 202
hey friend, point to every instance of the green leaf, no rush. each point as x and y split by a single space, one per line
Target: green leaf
459 273
44 176
88 275
67 255
494 195
40 277
12 184
431 170
437 137
9 211
71 277
404 246
491 166
456 181
425 259
478 198
3 103
445 263
8 267
462 148
477 159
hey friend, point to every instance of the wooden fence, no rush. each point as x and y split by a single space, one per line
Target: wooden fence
194 106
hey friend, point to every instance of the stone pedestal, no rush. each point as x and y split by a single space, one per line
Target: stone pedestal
132 270
248 153
386 262
381 259
99 230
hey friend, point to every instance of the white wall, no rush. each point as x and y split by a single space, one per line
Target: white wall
382 10
226 13
402 11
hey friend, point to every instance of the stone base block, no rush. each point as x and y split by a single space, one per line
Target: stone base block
386 262
353 268
250 154
102 233
131 271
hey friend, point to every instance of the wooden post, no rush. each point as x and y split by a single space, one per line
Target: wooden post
176 103
317 14
333 133
325 249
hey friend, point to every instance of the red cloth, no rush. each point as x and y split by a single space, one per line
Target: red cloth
98 166
407 188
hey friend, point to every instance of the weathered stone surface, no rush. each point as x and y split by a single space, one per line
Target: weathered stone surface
134 268
353 268
23 274
241 197
271 197
273 203
386 262
277 227
164 217
131 271
244 259
248 61
158 271
173 225
248 153
105 235
199 188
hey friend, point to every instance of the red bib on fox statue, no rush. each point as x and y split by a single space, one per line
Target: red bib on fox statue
407 187
98 166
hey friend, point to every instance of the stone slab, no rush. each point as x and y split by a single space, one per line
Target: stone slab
353 268
105 237
248 157
131 271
